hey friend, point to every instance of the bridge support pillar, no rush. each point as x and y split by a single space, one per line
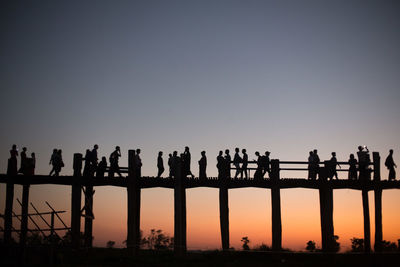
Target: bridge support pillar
179 212
8 212
24 213
276 207
378 203
89 216
367 226
134 197
326 212
76 202
224 214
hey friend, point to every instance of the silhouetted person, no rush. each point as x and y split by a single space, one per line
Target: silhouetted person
87 169
59 163
311 169
101 168
266 164
93 156
160 164
352 168
363 163
236 162
114 158
53 161
332 166
227 164
12 161
32 164
245 161
175 163
24 164
259 170
316 162
139 164
170 159
221 165
203 166
186 158
389 163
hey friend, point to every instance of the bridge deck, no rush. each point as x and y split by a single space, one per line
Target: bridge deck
212 182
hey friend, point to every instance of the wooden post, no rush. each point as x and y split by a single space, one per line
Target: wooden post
8 213
224 213
24 213
179 212
89 216
367 230
326 211
378 202
76 202
134 195
276 206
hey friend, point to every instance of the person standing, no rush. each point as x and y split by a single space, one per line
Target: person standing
221 165
266 164
31 164
138 162
352 168
316 162
160 164
24 164
245 161
236 162
259 170
311 173
203 166
227 164
101 168
332 167
170 161
389 163
12 168
186 158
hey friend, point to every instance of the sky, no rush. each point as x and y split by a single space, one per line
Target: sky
283 76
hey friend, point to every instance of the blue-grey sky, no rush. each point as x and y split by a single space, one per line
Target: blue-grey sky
284 76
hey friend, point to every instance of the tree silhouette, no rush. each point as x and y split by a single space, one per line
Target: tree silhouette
357 244
336 244
245 241
157 240
388 246
110 244
311 246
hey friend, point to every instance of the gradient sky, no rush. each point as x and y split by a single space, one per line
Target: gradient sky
283 76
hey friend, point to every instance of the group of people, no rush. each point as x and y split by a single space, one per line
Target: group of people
27 164
358 169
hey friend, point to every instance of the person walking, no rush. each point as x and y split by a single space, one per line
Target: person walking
203 166
160 164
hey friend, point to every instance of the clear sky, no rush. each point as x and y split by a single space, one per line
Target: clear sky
283 76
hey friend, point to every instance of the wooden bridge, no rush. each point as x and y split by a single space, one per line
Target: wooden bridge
179 184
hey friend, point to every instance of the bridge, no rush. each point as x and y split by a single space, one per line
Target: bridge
179 184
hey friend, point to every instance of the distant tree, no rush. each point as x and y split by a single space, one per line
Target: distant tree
398 244
246 242
262 247
388 246
34 239
336 244
311 246
110 244
157 240
357 244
